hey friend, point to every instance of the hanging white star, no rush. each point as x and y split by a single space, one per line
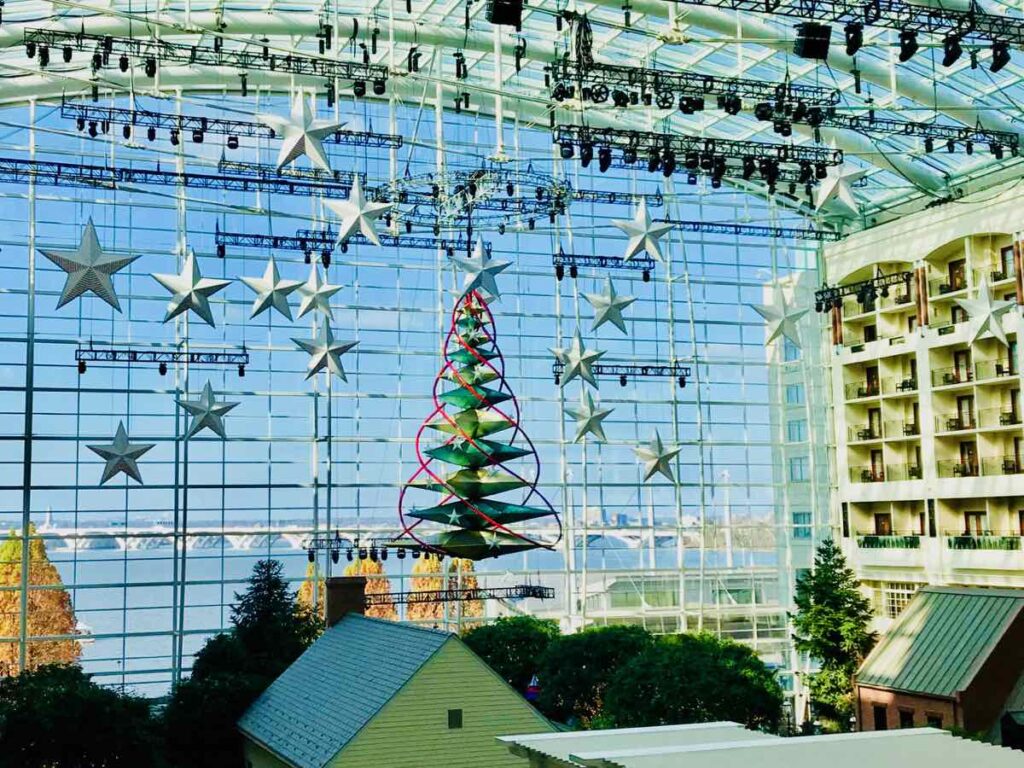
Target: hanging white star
206 412
480 270
588 418
121 455
190 290
835 192
357 213
656 458
271 291
88 269
781 318
985 312
577 361
316 294
325 352
642 233
608 307
301 134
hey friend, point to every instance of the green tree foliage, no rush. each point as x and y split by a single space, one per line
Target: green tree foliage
693 678
56 717
831 625
270 630
513 646
576 670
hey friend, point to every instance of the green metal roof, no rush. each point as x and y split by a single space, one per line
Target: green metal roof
938 644
336 687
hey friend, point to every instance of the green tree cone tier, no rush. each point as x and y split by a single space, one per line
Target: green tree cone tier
476 454
461 514
473 483
472 423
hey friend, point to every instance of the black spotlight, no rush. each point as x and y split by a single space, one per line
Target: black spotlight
604 159
67 53
197 136
764 111
620 98
232 142
820 171
311 554
93 132
126 131
122 63
691 161
908 44
162 369
749 166
929 144
335 556
359 88
81 367
730 103
812 40
969 147
80 122
44 56
1000 55
175 139
854 37
668 163
951 50
629 155
379 86
997 150
150 68
653 160
30 50
586 153
566 151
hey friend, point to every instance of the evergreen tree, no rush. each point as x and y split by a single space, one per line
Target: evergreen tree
831 625
50 611
513 646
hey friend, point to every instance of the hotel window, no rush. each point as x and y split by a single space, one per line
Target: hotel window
801 525
896 595
796 430
798 469
794 394
790 351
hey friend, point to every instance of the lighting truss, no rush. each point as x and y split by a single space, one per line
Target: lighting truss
642 85
656 200
159 356
191 125
245 178
324 240
893 14
574 261
865 290
754 230
518 592
105 48
628 371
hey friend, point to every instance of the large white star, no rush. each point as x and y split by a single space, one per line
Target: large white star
357 213
271 290
480 270
588 418
781 318
835 192
121 455
608 307
985 312
577 361
642 233
89 269
190 290
325 352
206 412
656 458
316 294
301 134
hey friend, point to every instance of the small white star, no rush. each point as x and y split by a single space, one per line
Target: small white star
316 294
89 269
190 290
643 234
835 192
608 307
206 412
271 291
781 318
656 458
588 418
121 455
301 134
985 312
577 361
357 213
325 352
480 270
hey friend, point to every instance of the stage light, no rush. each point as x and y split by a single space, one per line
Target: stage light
359 88
122 63
749 166
691 161
126 131
81 367
66 54
150 68
806 172
80 122
764 111
162 369
854 32
730 103
174 137
815 117
908 44
30 50
232 142
566 151
620 98
929 144
44 56
997 150
951 146
969 147
653 160
691 179
664 100
604 159
629 155
799 112
668 164
599 93
586 154
821 171
92 129
1000 55
379 86
558 94
951 50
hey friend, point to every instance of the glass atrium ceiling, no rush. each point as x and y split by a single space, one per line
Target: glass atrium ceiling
901 174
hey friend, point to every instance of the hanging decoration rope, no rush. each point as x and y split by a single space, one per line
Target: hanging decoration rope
474 525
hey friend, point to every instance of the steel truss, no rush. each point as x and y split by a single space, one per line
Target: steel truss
754 230
154 52
325 240
970 23
191 124
574 261
625 371
518 592
127 355
865 290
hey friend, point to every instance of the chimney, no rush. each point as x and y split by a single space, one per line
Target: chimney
345 595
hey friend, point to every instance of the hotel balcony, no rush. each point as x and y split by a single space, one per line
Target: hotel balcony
958 469
908 384
945 287
1001 465
867 475
860 433
1001 273
897 430
946 377
896 472
892 540
994 369
986 540
999 417
997 551
955 422
858 390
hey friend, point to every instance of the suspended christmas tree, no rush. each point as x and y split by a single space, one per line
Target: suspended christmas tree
473 402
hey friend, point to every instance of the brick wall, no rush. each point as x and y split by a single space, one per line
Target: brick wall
921 706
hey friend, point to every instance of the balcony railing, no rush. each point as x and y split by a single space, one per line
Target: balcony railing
958 469
862 432
994 369
889 540
908 384
867 475
944 286
992 466
895 429
1009 541
895 472
861 389
1000 417
944 377
1002 273
955 422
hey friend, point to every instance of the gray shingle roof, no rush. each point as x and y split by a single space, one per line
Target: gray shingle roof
336 687
940 640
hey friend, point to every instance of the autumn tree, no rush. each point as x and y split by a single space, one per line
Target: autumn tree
429 576
50 611
377 583
313 583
